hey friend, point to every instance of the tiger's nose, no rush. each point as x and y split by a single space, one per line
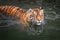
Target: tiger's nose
38 19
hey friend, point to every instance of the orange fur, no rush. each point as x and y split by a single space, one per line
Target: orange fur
21 14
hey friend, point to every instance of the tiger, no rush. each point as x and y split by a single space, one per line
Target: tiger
34 16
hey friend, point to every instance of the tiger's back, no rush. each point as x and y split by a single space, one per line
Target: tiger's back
12 11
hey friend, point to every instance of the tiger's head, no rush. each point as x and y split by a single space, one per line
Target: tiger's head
35 16
36 19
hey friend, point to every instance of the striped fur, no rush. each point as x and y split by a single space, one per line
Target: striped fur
23 15
12 11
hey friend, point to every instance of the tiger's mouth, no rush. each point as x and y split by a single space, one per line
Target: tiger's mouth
38 22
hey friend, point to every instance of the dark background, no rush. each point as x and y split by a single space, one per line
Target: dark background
51 28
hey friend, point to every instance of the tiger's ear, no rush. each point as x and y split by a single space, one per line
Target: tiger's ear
41 8
41 12
29 10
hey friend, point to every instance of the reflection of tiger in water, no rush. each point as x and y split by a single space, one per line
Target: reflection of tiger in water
35 16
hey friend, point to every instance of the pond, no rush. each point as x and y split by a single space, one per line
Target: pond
9 29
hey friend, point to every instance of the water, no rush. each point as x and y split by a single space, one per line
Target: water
9 29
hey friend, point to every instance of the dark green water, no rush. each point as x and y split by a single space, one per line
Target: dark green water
10 31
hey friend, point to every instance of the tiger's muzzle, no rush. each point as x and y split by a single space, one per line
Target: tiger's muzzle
38 22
